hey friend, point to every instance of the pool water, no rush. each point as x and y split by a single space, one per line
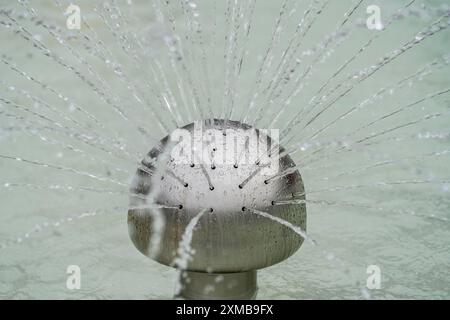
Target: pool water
74 211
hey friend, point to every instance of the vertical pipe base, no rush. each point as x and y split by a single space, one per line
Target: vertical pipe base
218 286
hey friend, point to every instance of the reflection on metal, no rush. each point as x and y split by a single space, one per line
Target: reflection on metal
228 243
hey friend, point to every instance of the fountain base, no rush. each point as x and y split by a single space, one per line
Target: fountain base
218 286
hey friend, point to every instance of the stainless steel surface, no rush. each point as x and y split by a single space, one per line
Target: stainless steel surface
227 239
213 286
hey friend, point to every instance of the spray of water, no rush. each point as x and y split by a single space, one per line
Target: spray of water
204 63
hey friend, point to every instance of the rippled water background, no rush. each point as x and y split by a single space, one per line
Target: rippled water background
404 229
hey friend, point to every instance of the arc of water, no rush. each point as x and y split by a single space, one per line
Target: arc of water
108 59
302 233
70 219
173 112
185 251
389 162
420 136
404 108
365 102
68 188
37 132
196 28
262 67
65 99
181 56
432 30
231 63
361 50
374 185
121 38
27 35
61 128
158 222
273 96
359 206
63 168
376 95
252 175
247 29
349 145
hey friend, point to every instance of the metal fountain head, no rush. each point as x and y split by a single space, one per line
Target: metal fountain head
218 170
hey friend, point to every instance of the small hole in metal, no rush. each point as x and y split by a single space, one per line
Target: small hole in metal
213 167
211 188
211 210
214 149
243 208
235 166
240 186
180 206
273 203
266 182
186 185
192 165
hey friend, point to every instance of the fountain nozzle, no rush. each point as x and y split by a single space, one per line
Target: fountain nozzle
209 170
